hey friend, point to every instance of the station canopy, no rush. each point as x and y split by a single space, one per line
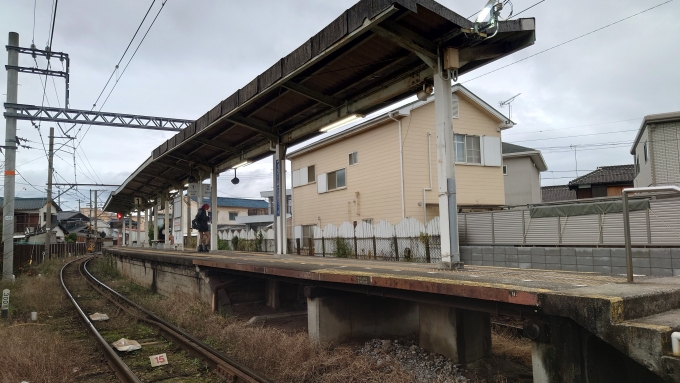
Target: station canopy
376 53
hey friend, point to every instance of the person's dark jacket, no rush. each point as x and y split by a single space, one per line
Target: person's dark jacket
203 219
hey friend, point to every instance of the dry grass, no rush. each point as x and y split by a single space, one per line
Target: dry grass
35 354
49 350
510 346
280 356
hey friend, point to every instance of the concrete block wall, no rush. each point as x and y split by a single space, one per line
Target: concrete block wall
650 262
166 279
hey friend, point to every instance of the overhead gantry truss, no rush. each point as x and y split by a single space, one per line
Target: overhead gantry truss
75 116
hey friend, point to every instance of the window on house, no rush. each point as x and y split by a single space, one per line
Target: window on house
311 175
645 150
304 176
353 158
336 179
454 106
467 149
233 215
505 170
368 220
637 164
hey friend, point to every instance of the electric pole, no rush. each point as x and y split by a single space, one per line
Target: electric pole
48 218
96 215
10 160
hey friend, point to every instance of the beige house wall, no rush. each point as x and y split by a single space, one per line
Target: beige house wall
373 188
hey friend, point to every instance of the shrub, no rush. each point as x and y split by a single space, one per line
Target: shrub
234 242
222 244
342 249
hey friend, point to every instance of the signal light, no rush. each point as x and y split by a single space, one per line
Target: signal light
119 216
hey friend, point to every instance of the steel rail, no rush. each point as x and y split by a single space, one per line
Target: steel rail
224 365
121 369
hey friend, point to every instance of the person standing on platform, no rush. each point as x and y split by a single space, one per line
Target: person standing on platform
203 222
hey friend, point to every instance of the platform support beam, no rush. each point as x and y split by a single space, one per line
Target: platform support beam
166 220
336 317
273 294
461 335
448 210
280 202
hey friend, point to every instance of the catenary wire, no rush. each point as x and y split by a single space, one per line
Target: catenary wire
568 41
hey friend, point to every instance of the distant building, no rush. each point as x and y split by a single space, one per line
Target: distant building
656 151
30 215
557 193
230 212
261 219
522 169
606 181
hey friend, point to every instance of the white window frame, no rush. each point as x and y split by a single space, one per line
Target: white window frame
233 212
465 150
354 156
303 173
328 188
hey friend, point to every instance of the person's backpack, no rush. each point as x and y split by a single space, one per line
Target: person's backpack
194 223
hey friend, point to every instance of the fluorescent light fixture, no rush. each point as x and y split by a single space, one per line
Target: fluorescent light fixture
341 122
485 12
241 164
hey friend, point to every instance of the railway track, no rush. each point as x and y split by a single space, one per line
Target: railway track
126 317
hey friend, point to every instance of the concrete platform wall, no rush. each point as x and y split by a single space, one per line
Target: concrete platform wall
166 279
650 262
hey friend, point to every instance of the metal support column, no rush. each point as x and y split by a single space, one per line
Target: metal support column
199 204
626 236
48 215
166 219
10 161
139 221
214 208
154 212
130 229
280 199
448 212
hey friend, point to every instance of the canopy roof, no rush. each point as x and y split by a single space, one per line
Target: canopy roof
371 56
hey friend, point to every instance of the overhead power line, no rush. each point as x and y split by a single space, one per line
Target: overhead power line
571 127
568 41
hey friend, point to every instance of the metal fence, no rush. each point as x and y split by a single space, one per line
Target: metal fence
657 226
26 255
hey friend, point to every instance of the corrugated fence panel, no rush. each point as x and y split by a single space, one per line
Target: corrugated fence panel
479 229
665 222
508 227
581 230
638 228
542 231
612 229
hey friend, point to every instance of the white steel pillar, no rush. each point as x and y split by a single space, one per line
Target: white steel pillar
130 229
280 200
166 210
448 211
213 207
139 217
155 220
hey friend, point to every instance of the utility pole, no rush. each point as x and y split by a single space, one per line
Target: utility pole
48 220
96 209
10 161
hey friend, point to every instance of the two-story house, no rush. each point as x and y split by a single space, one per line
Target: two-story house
386 168
522 169
30 215
656 151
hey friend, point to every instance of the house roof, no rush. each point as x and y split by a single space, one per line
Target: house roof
557 193
512 150
401 112
650 119
237 202
619 174
29 203
68 215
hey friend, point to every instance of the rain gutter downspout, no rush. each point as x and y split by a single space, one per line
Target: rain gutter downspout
429 167
401 164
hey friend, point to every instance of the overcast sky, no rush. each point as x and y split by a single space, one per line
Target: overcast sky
594 90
